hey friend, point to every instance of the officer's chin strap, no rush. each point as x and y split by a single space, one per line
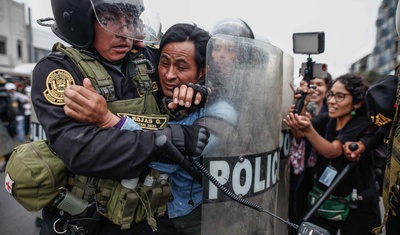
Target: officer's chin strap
173 152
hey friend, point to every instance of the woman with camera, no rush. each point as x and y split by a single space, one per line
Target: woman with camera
346 120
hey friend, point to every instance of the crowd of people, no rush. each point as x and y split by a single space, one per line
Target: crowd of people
15 111
93 110
347 120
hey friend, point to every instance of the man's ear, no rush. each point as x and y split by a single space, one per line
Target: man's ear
202 72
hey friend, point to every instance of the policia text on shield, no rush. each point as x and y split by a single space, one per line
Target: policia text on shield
305 227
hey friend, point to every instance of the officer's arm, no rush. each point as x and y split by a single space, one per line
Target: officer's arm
85 148
84 104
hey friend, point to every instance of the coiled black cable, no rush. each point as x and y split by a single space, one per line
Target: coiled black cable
173 152
235 197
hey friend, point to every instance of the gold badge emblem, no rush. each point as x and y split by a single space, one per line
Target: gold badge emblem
57 81
380 120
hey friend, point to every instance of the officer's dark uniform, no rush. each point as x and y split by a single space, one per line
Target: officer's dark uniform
86 149
107 152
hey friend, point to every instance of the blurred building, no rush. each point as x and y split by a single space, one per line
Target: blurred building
21 45
386 54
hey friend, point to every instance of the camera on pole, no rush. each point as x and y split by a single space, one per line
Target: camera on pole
309 43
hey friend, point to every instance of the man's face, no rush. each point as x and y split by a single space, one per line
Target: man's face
223 53
177 66
112 47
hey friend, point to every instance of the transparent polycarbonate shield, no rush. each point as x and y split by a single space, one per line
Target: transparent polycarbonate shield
243 115
282 205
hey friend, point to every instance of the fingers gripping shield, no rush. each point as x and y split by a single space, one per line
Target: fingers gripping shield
243 115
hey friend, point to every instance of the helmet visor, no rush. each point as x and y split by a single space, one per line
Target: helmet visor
121 17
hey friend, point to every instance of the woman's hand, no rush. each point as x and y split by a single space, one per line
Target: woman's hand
353 154
298 122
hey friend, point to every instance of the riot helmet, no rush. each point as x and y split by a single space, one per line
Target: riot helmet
234 27
74 19
230 42
10 86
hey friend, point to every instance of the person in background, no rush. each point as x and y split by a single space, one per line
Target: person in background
303 156
107 31
223 78
382 102
18 100
27 110
322 85
7 117
385 114
346 120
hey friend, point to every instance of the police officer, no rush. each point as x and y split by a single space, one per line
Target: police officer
223 53
7 117
383 104
103 31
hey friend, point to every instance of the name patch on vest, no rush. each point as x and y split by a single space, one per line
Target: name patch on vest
148 122
57 81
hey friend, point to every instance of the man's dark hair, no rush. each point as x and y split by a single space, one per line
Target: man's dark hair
182 32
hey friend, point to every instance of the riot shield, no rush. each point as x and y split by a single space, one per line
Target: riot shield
282 205
36 129
244 117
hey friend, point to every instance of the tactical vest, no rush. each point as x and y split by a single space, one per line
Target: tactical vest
391 181
120 204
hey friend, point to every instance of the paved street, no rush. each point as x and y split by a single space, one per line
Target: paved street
14 219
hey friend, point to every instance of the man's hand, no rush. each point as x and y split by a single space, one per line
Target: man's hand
84 104
190 140
187 95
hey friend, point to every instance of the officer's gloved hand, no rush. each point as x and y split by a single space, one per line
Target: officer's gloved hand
189 96
190 140
202 90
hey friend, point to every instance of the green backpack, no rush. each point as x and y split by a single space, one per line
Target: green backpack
34 174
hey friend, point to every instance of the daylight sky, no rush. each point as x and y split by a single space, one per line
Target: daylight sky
349 25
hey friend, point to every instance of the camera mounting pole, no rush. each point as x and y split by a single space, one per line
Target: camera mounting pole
307 43
308 76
